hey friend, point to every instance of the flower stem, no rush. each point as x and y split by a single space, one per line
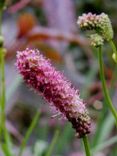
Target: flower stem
3 131
2 80
86 146
114 56
105 90
113 46
2 89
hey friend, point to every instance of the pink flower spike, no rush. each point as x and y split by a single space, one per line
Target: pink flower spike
39 74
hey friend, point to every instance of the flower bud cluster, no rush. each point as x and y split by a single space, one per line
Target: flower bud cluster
101 24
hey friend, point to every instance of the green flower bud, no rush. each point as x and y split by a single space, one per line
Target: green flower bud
114 56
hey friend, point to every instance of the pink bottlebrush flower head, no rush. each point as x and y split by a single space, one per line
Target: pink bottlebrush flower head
38 73
100 23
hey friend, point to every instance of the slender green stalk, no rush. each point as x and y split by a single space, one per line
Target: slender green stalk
1 22
86 146
0 76
108 122
105 90
3 131
28 133
49 152
113 46
2 80
3 90
114 50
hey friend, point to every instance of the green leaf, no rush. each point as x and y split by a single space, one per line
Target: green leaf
66 137
54 140
28 133
104 129
105 144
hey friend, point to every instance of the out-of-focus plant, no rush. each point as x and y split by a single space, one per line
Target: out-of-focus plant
5 140
3 131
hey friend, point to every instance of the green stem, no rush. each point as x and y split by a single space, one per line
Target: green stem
105 90
28 133
86 146
113 46
2 80
3 130
0 101
114 50
2 90
1 22
49 152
